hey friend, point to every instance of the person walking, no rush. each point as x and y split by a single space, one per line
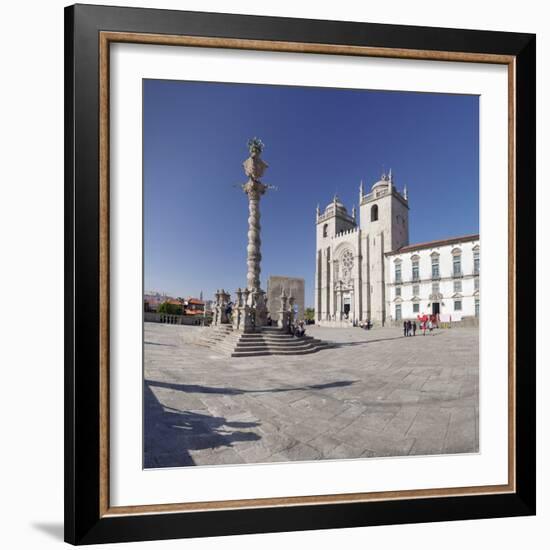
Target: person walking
404 328
414 328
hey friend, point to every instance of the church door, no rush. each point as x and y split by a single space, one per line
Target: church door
435 308
347 306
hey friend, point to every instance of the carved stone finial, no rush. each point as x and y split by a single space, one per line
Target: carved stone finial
255 145
254 166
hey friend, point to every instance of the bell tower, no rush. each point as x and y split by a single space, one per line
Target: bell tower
332 221
384 215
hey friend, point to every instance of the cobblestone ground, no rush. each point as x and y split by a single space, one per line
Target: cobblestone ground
376 394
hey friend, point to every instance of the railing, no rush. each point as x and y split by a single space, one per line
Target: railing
171 319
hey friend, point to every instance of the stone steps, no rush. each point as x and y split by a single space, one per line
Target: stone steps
268 341
277 344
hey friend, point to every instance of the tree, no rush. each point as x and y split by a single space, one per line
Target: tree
309 314
170 309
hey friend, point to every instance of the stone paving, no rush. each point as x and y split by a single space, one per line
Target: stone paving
375 394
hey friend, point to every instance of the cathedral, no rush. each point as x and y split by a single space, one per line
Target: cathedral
366 270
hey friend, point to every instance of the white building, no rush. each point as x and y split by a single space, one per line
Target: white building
366 269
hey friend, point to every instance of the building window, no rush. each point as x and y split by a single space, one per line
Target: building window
374 213
398 312
397 273
477 307
458 305
397 291
476 283
476 262
435 267
435 289
416 308
457 286
415 271
457 266
416 290
325 230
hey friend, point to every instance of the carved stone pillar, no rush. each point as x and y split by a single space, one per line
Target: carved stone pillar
238 309
254 167
246 324
260 308
291 314
224 301
216 318
283 313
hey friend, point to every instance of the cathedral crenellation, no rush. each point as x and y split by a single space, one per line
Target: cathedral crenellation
347 232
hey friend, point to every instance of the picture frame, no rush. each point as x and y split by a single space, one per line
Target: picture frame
89 33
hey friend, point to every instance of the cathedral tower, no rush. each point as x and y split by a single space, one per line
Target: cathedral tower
334 221
384 215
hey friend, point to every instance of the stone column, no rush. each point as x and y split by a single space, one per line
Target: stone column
254 168
283 313
246 321
338 303
216 313
238 309
224 301
291 315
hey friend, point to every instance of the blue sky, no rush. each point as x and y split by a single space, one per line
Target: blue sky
319 141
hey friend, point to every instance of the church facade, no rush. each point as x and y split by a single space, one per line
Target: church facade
366 270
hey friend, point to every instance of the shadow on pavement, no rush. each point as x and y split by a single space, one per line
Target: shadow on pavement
363 342
195 388
170 434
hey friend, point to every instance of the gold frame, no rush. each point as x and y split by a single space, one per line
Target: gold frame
105 39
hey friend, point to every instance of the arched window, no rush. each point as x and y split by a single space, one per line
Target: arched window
325 230
374 213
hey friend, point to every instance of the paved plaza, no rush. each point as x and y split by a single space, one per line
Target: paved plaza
375 393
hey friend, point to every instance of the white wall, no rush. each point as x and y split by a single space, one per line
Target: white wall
31 114
446 281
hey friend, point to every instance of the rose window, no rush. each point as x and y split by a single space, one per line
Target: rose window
347 265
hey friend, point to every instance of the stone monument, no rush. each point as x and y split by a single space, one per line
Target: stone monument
240 328
249 312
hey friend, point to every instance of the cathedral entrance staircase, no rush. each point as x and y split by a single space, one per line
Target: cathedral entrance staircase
267 341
